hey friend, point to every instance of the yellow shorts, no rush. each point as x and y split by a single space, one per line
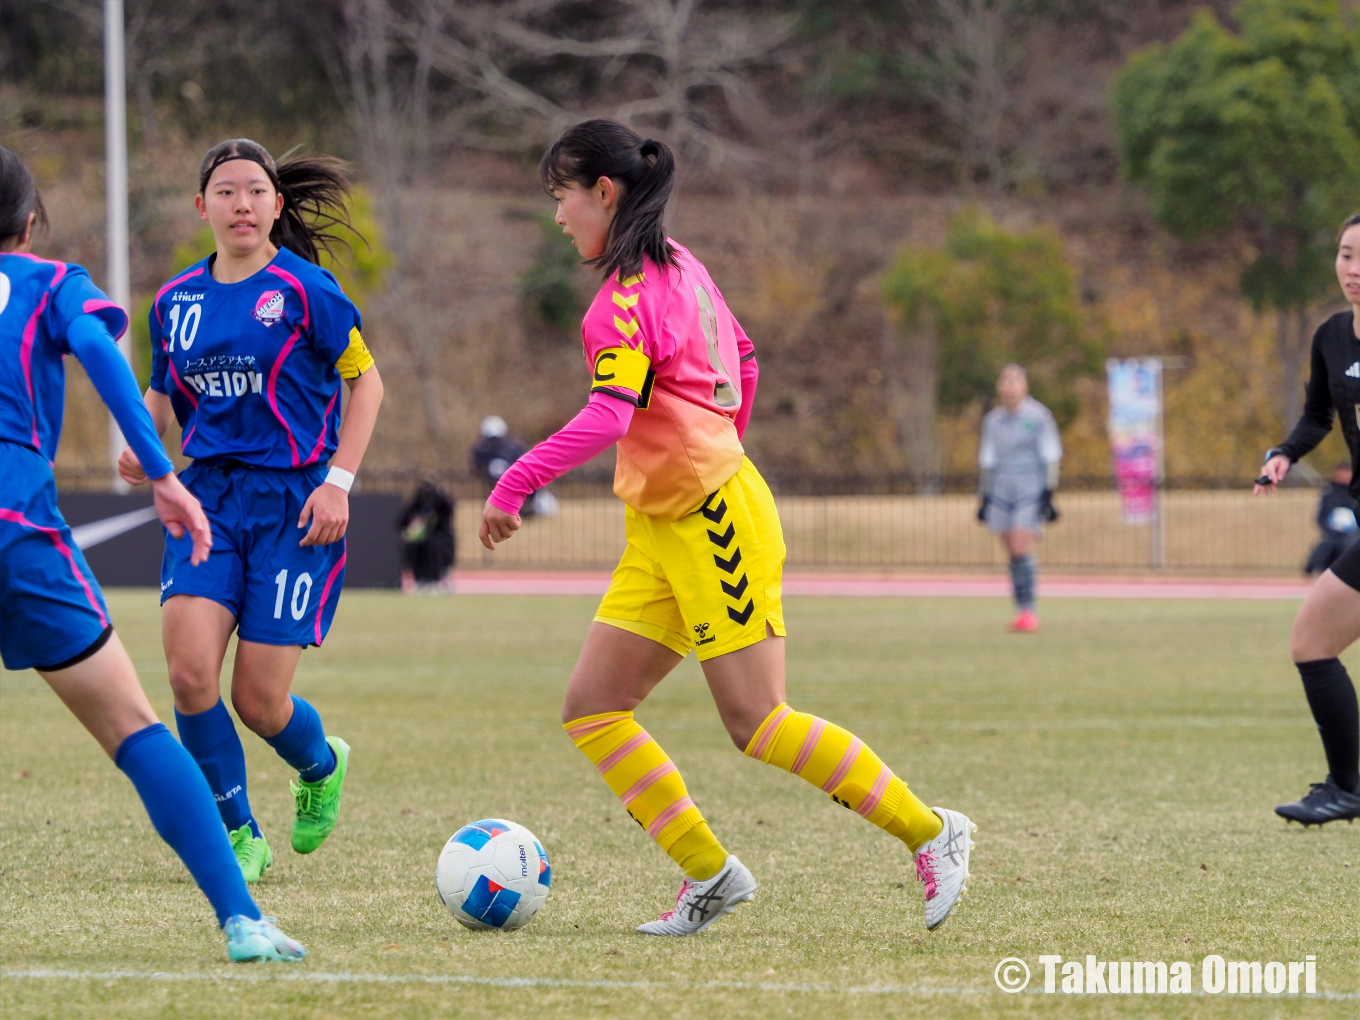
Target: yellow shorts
710 581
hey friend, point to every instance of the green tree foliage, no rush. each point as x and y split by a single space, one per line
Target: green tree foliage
1258 131
988 297
359 265
551 287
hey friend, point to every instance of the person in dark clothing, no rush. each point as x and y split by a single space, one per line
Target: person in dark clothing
495 451
1329 621
427 539
1336 518
492 456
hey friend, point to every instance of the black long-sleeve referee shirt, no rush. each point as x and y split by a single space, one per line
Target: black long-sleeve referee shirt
1334 386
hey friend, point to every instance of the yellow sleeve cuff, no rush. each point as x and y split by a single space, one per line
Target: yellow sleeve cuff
356 360
623 368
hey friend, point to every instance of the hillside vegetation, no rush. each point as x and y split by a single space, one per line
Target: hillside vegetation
823 148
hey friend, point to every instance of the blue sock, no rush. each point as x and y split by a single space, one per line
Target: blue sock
302 743
1023 572
180 804
211 738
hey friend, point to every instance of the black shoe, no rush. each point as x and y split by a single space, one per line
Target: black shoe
1326 802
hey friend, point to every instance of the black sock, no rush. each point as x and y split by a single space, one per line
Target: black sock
1331 696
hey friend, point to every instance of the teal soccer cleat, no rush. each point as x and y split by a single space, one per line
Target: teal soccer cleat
248 941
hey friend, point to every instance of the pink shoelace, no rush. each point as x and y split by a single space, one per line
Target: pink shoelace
684 888
925 872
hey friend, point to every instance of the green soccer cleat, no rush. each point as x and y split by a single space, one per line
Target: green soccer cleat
317 805
252 853
248 941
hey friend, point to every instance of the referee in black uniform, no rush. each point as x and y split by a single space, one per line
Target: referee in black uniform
1329 621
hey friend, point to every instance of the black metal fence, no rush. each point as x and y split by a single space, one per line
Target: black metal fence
896 522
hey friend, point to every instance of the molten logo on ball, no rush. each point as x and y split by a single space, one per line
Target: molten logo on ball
486 875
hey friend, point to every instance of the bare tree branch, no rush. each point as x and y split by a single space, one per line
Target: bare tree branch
684 71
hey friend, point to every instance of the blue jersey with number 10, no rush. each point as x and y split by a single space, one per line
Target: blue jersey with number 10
250 367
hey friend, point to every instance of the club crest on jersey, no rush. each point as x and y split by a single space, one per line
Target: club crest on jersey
269 309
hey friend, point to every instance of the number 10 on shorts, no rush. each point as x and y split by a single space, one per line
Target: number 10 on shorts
302 594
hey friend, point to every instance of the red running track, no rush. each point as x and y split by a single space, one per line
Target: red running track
520 582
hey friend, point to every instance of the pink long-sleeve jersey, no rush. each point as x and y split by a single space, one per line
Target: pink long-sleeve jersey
664 342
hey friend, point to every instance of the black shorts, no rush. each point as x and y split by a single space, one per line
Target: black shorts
1347 565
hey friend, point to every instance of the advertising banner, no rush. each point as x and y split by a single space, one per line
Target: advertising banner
1136 434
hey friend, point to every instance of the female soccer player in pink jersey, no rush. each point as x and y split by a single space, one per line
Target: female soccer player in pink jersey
673 378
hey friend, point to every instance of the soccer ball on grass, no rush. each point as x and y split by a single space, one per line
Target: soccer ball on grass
493 874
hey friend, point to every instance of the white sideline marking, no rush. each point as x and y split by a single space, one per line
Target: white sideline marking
322 977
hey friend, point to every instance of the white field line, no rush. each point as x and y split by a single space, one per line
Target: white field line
1145 723
322 977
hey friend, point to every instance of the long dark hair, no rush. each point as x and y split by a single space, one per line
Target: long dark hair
315 192
1352 220
18 196
644 167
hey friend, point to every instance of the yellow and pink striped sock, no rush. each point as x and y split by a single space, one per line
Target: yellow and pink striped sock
841 764
647 781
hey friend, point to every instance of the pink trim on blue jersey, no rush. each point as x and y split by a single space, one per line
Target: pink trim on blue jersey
31 332
272 391
250 365
326 591
47 262
289 278
315 455
156 301
272 394
179 383
94 306
15 517
26 360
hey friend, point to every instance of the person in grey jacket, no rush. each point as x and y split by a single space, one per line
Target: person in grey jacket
1018 461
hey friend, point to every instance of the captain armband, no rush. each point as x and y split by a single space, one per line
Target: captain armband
623 368
356 360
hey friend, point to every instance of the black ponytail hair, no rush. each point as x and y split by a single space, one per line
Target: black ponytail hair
643 167
18 197
1352 220
315 192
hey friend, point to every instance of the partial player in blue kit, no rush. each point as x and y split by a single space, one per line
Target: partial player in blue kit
52 614
250 348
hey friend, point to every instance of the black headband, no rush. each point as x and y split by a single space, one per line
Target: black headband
227 157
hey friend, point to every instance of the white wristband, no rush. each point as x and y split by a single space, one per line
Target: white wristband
340 478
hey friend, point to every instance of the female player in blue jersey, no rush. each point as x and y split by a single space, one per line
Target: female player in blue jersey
52 614
250 347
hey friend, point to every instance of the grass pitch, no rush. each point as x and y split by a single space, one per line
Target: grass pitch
1121 766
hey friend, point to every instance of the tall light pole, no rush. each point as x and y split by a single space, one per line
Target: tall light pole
116 191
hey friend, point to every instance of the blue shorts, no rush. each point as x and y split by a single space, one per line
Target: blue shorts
280 592
51 608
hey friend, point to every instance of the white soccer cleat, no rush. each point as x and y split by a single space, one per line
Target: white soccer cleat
942 866
699 904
